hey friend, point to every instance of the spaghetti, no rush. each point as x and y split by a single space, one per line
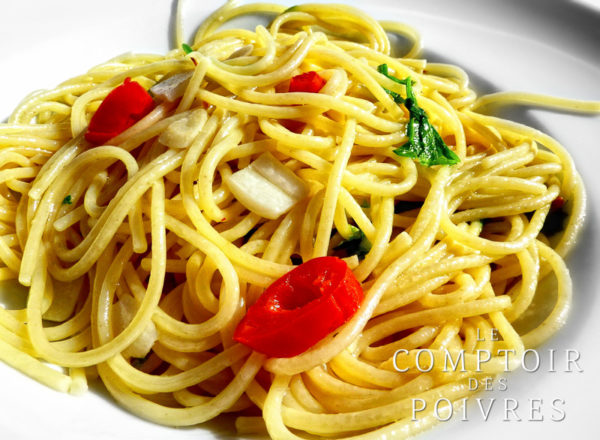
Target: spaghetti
141 254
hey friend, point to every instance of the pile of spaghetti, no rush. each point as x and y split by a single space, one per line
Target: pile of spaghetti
142 248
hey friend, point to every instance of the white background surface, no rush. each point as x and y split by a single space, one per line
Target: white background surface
545 46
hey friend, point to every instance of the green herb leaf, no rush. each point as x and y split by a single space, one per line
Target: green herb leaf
138 362
424 142
356 234
357 244
67 200
290 9
383 69
187 48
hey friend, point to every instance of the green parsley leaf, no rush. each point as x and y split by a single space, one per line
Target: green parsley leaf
137 362
424 142
187 48
383 69
356 233
356 244
67 200
291 9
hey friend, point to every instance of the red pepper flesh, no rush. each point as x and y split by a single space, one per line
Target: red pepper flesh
557 204
301 308
293 125
122 107
307 82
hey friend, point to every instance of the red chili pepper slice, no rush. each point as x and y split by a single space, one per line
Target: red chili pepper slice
301 308
293 125
307 82
122 107
557 204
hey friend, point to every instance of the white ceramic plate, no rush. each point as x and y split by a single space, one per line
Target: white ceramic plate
536 45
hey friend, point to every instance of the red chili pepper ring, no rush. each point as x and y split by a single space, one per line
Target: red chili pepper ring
310 82
301 308
122 107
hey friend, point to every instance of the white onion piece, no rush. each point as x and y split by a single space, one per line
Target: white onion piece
172 87
124 311
267 187
182 132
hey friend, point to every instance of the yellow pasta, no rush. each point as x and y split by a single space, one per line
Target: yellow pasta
141 255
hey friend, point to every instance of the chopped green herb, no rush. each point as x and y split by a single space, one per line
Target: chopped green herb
137 362
67 200
424 142
406 205
356 233
357 244
365 204
383 69
187 48
291 9
480 221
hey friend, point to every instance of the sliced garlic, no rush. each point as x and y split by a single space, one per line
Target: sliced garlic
182 132
172 87
267 187
124 312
